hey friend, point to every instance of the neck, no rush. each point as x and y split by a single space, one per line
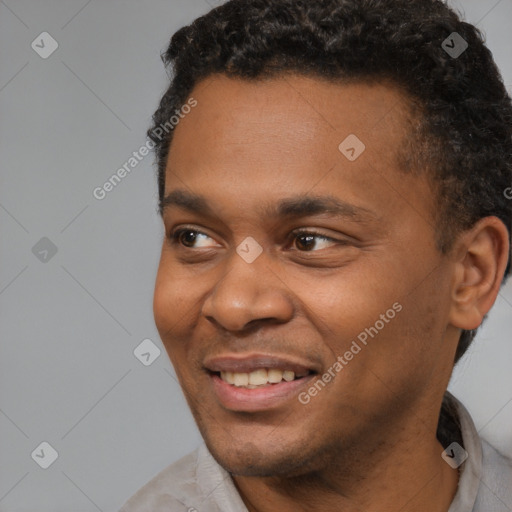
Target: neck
403 471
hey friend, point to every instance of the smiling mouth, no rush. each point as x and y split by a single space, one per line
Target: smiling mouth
260 378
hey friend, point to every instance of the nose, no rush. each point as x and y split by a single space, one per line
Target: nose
247 294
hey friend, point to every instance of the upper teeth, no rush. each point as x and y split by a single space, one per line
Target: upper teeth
258 377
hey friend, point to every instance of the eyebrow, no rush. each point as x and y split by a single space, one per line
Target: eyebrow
296 206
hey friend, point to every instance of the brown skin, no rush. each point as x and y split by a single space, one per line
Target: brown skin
367 441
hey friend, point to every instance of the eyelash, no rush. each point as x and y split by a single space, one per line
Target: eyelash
175 235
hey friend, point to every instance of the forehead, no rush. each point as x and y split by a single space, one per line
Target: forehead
285 112
290 133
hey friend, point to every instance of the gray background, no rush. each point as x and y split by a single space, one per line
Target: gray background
69 325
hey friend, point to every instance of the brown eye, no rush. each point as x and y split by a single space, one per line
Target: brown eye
305 242
191 238
308 241
187 237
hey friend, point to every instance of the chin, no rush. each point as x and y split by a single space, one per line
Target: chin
251 460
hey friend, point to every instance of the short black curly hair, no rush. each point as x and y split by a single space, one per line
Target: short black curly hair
463 130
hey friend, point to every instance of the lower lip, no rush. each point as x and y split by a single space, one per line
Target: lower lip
257 399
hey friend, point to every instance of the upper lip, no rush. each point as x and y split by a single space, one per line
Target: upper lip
238 363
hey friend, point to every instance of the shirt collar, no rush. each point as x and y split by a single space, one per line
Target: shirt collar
470 471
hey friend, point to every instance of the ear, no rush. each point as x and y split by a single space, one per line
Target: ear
481 256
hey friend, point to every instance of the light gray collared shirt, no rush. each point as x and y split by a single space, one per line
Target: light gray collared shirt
197 483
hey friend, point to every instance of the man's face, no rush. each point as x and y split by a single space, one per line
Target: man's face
258 153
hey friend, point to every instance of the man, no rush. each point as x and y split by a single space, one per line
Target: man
337 227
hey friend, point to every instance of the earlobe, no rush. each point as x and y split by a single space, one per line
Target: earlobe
480 259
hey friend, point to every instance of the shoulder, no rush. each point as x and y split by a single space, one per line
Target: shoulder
485 483
194 483
169 490
495 492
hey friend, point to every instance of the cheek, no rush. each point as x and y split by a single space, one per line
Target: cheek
176 309
167 311
163 304
345 304
386 305
172 300
410 347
